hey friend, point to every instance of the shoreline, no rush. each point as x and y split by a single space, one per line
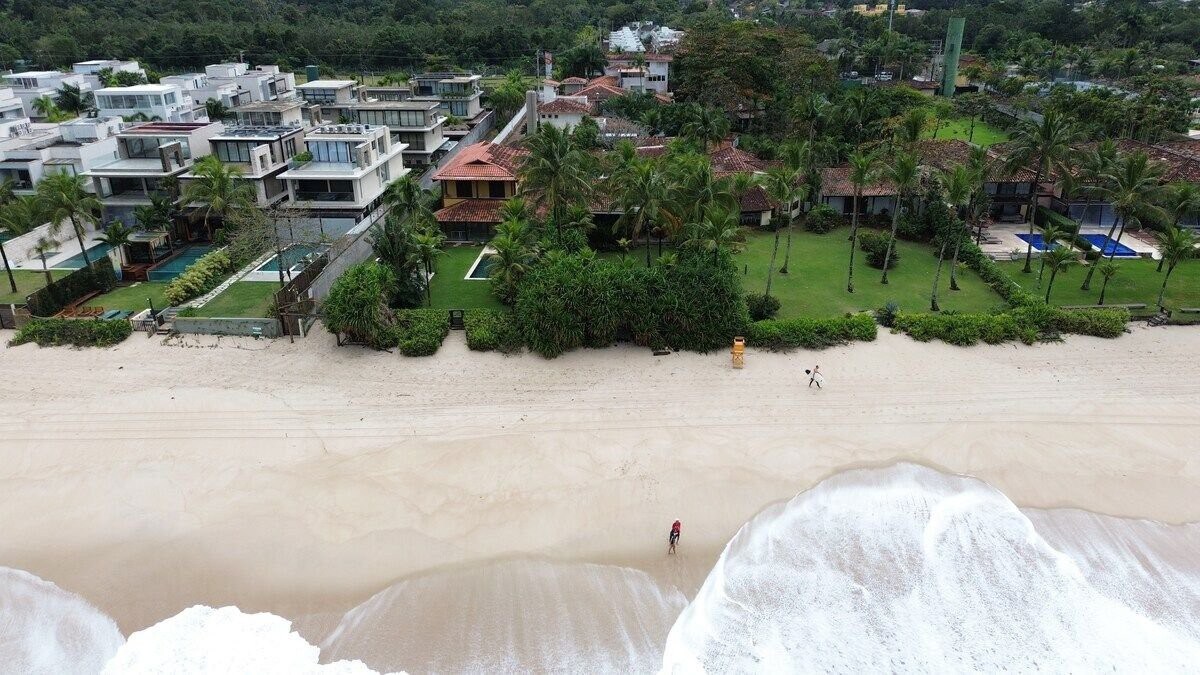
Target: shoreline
303 478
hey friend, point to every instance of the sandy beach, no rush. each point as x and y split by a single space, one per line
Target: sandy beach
302 478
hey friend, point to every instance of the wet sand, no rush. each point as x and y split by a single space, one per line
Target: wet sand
302 478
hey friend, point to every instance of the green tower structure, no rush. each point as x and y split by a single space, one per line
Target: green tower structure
953 50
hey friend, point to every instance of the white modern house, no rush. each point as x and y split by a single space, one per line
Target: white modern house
564 112
155 102
90 70
456 94
417 124
13 120
70 147
260 83
344 182
200 88
148 155
281 113
262 154
641 71
326 92
31 85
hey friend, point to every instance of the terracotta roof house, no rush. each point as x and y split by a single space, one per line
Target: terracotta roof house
474 183
837 191
565 112
1008 190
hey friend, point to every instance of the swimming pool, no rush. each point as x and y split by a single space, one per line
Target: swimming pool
75 262
1036 241
483 266
295 257
175 266
1106 246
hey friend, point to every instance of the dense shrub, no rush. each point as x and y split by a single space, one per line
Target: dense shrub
1024 323
886 315
357 305
419 332
808 333
913 226
572 301
76 332
52 298
762 306
822 218
491 330
875 244
200 277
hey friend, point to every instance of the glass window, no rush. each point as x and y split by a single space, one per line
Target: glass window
289 148
157 99
496 189
170 98
464 189
330 151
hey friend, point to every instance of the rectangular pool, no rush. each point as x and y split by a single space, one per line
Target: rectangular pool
175 266
1106 246
75 262
1036 240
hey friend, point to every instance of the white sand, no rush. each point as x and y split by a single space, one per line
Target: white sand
297 478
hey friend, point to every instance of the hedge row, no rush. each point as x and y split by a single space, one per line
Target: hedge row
75 332
490 330
1024 323
52 298
200 277
419 332
806 333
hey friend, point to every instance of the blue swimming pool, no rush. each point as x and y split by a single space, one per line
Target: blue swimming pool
482 268
294 257
1107 245
75 262
175 266
1036 240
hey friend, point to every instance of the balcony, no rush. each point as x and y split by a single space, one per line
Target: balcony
325 197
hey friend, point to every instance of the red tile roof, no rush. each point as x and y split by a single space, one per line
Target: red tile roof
835 182
565 106
471 211
946 154
610 80
597 92
1189 147
756 199
728 159
574 80
483 161
1178 166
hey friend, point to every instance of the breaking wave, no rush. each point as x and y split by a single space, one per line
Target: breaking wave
902 569
44 629
910 570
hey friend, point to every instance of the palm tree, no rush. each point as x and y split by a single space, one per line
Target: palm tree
407 197
903 173
1048 146
800 194
1051 235
863 172
216 110
1176 244
1182 201
645 201
1057 260
7 190
1093 166
811 110
515 209
554 172
219 188
780 185
510 262
706 124
63 197
116 235
428 247
71 99
45 107
717 231
43 246
1132 186
19 216
912 126
1108 270
958 185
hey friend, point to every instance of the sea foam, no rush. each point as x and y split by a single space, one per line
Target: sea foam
201 640
44 629
906 569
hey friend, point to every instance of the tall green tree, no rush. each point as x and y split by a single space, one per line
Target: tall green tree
904 173
1134 188
706 126
958 184
70 98
1052 234
555 172
63 197
1108 270
1047 146
21 215
1182 200
116 235
218 188
718 231
1058 260
863 172
646 200
1176 244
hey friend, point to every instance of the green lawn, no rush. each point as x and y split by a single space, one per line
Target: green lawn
1137 282
816 282
28 281
985 134
250 299
451 291
134 297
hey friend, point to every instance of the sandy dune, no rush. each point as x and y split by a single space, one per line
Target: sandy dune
302 478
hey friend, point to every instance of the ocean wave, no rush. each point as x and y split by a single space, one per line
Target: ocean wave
44 629
906 569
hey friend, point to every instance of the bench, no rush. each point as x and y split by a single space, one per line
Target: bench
1188 310
77 308
1132 305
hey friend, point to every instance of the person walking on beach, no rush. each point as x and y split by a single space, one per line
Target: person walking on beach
674 538
815 376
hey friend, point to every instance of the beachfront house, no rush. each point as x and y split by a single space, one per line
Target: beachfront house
150 102
151 157
474 184
346 170
1008 191
29 86
262 153
456 94
417 124
564 112
72 147
281 113
837 191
